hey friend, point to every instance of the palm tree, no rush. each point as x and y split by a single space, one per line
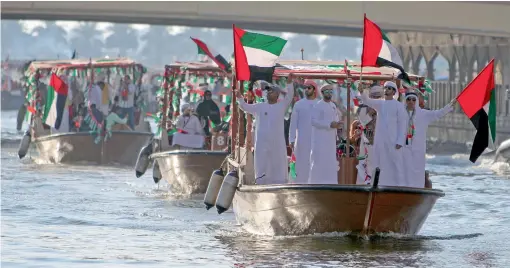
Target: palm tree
124 39
15 43
340 48
87 41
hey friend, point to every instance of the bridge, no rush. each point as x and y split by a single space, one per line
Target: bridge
330 18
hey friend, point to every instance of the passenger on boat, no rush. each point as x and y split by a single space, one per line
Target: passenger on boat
114 118
127 100
106 92
300 132
414 149
270 149
207 110
190 132
325 123
389 136
367 117
95 102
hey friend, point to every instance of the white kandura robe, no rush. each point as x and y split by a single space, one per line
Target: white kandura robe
390 130
300 132
414 153
323 162
271 165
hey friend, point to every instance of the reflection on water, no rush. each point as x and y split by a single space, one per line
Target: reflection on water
82 216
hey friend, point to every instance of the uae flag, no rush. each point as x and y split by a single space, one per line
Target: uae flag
203 49
256 55
478 101
55 102
378 50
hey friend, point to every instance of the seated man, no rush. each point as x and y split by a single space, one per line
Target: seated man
113 118
190 132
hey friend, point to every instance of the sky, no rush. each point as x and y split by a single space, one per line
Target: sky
29 25
68 26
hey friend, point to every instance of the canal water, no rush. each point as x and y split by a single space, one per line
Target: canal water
83 216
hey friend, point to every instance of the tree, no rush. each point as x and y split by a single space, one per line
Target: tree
309 44
87 41
124 39
340 48
15 43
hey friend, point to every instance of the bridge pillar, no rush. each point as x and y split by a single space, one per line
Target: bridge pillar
505 60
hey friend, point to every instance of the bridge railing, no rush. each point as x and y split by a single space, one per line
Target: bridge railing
446 91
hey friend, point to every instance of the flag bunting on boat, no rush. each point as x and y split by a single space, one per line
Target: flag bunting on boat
55 102
378 50
478 101
256 55
217 58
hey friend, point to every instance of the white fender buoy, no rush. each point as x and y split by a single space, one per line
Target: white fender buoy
213 188
24 144
227 192
143 160
156 173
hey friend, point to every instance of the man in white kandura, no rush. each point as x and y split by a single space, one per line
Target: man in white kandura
389 137
325 122
271 165
300 131
414 149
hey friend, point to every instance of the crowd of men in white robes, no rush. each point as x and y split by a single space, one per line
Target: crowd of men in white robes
398 147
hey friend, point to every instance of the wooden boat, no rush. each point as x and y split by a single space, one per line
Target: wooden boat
118 146
188 171
299 209
80 147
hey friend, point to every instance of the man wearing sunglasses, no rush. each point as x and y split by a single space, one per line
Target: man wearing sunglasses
270 156
414 149
300 131
325 122
389 137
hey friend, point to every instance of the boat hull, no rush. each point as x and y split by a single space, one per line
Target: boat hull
309 209
188 171
79 147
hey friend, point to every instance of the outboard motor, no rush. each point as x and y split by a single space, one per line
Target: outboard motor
143 160
227 192
213 188
156 173
24 144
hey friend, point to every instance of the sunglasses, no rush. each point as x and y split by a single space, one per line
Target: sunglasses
390 88
411 99
310 87
327 91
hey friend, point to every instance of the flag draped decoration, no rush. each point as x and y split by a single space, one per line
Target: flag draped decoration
478 101
378 50
55 102
256 55
203 49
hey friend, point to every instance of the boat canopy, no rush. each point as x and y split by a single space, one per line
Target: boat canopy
336 69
